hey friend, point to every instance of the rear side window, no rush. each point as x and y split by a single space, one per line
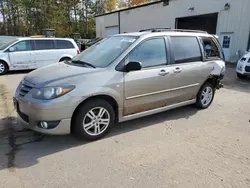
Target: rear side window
44 44
210 48
64 44
186 49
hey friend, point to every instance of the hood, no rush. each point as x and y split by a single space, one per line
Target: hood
59 72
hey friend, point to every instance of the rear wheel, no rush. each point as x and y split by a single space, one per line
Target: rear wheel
240 76
93 119
205 96
3 68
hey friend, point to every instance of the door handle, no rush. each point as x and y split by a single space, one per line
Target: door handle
163 72
177 70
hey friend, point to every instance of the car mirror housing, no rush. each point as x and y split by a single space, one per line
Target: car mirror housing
11 49
133 66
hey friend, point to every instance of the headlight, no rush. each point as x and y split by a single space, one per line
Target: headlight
48 93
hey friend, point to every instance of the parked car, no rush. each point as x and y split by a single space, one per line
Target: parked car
124 77
93 41
243 66
31 53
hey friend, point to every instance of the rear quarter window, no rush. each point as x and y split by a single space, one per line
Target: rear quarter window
186 49
210 48
64 44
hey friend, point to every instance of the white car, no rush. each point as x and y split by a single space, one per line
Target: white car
31 53
243 66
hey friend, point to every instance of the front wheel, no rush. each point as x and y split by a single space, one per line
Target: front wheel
93 119
3 68
205 96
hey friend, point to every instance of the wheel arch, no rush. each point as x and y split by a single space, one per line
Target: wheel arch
65 57
3 60
211 79
111 100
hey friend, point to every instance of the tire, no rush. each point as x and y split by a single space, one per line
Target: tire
64 59
240 76
88 114
208 91
3 67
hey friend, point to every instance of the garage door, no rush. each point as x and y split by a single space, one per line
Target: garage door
112 30
206 22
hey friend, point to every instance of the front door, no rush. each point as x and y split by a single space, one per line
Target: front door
22 57
226 43
144 89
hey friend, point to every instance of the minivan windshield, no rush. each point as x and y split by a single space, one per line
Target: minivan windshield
104 52
6 41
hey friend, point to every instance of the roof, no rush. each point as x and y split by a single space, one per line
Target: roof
129 8
43 38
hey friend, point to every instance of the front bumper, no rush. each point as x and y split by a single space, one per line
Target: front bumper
62 128
243 68
31 112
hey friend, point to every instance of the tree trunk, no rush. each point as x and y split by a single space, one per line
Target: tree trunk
4 18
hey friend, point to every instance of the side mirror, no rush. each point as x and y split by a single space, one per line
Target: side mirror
133 66
11 49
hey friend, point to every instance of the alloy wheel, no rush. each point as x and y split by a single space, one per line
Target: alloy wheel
96 121
2 67
206 96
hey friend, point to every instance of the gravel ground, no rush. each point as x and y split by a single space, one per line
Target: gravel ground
184 147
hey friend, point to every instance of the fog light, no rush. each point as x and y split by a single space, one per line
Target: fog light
44 125
48 124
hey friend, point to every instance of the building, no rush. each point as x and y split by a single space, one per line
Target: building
229 19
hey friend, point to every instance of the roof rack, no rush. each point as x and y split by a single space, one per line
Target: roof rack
174 30
155 29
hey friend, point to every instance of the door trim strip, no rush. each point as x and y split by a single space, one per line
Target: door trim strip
155 111
163 91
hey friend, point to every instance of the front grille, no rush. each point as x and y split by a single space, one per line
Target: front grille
247 68
25 88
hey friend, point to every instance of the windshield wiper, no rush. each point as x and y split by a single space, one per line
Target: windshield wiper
83 63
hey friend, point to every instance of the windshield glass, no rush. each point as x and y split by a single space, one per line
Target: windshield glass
6 41
106 51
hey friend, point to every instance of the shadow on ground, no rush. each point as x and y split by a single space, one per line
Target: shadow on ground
35 146
19 72
231 81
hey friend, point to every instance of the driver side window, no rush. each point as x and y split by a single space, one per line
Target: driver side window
23 46
150 53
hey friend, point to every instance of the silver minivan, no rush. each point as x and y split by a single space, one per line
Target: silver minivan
121 78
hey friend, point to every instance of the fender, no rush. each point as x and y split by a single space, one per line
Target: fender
5 57
103 91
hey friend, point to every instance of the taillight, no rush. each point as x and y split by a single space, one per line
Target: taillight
78 51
